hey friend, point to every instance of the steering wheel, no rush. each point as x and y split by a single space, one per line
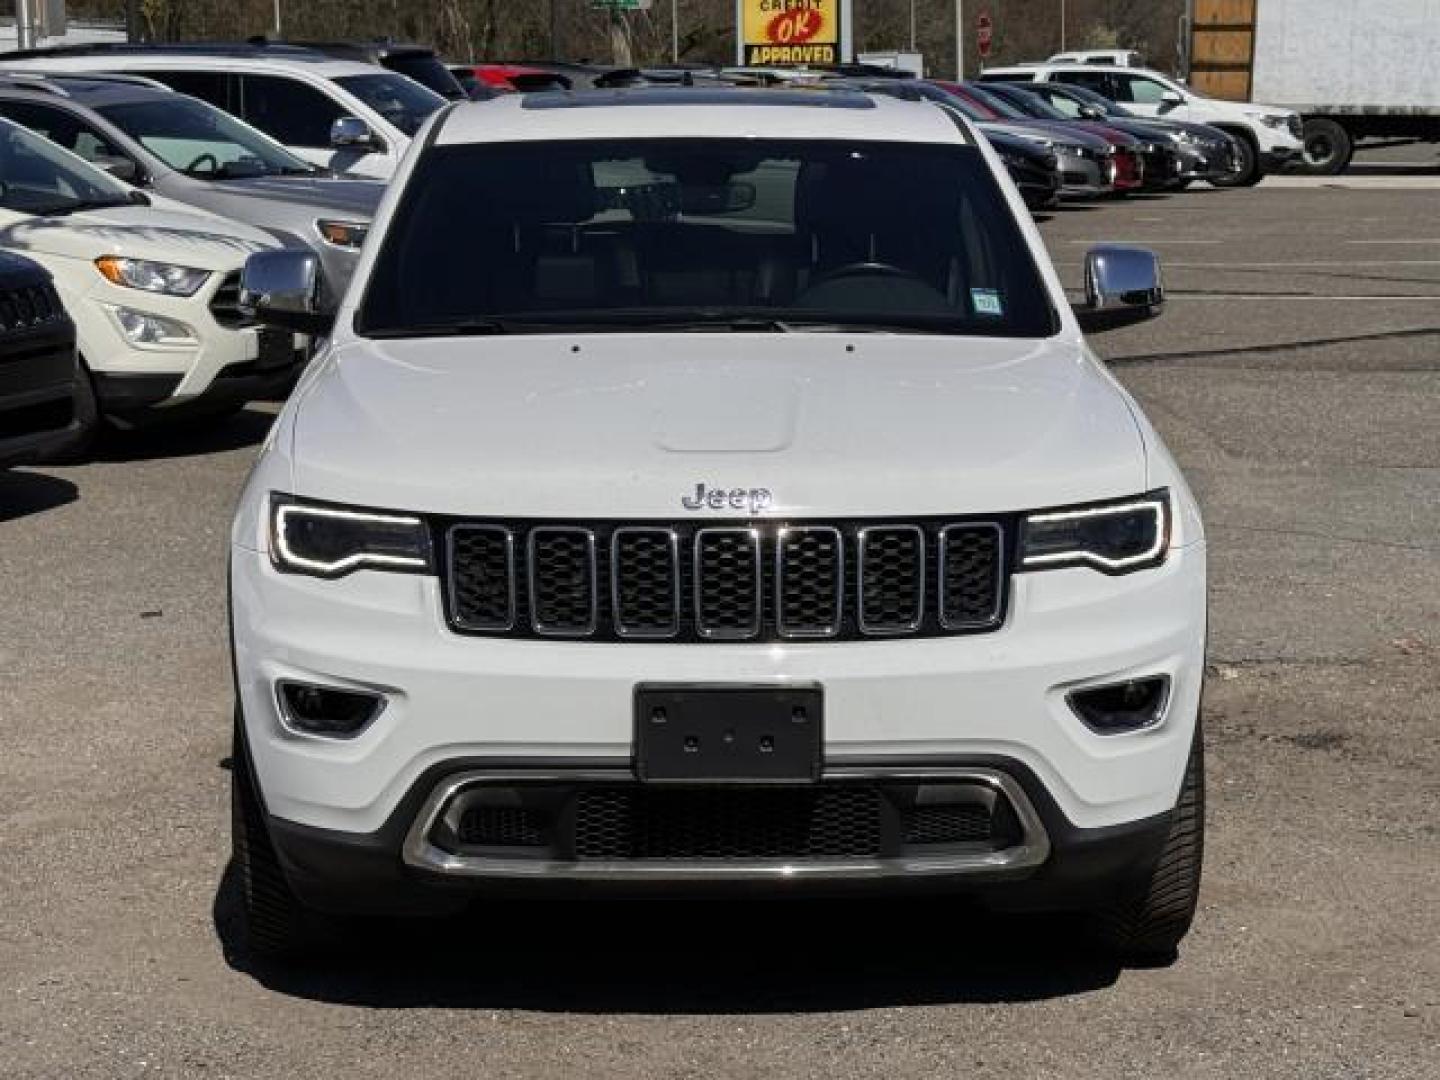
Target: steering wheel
866 269
214 163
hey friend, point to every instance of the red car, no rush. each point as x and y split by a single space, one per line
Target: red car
486 80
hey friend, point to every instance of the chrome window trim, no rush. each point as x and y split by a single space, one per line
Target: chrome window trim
697 544
451 576
862 537
942 562
535 624
673 538
811 633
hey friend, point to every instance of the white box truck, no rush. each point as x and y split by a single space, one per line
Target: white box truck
1352 70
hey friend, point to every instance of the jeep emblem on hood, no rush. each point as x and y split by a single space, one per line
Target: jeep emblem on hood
751 500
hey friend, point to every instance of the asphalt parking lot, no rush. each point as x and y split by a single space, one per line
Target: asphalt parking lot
1296 374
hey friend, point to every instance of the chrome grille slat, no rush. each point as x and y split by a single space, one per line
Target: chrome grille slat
809 581
729 601
645 581
891 579
560 565
735 581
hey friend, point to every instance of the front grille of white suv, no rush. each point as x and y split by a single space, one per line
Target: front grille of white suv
727 581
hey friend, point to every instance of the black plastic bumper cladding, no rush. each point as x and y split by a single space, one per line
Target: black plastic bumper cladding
364 873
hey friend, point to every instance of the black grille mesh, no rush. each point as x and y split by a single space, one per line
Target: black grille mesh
502 826
892 573
727 562
646 583
964 823
562 581
30 306
969 574
705 823
810 589
755 583
481 592
225 304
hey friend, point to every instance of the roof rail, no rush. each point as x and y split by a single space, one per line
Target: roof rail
52 81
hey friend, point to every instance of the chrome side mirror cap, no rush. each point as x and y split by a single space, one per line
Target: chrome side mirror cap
352 133
282 288
1122 285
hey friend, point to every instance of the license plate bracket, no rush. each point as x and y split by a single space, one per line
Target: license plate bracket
728 734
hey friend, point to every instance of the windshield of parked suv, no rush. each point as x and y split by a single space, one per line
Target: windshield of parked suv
401 101
201 141
37 177
696 234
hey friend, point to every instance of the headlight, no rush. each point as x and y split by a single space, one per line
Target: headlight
156 277
1184 138
331 541
349 234
1115 537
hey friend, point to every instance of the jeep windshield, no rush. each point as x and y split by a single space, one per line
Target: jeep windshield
201 141
693 234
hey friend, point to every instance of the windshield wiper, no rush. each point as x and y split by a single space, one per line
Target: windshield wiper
80 204
458 328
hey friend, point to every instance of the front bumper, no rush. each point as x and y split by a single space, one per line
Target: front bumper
1066 868
451 698
223 364
40 404
1084 177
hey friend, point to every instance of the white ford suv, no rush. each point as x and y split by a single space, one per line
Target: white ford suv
153 287
711 488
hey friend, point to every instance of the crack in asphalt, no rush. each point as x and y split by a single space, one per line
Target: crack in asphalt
1362 541
1282 347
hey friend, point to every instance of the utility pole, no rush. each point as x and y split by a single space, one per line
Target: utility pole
912 25
554 29
675 31
959 40
1062 25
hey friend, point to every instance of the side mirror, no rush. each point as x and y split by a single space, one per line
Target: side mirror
1123 285
1092 112
282 288
122 168
352 133
1172 97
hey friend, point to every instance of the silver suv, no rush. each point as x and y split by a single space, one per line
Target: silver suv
185 149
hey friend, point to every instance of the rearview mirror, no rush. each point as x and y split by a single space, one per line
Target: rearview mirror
1123 285
282 288
122 168
352 133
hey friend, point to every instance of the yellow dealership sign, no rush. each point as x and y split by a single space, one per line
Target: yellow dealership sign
790 31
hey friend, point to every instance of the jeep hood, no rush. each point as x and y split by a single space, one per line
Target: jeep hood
141 232
625 425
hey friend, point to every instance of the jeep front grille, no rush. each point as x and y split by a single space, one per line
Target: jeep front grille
737 582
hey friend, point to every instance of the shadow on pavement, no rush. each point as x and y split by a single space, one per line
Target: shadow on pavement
669 956
187 438
26 493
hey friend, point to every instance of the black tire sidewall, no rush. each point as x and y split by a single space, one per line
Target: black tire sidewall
1251 172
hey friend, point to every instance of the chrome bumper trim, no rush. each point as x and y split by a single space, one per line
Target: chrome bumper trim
421 853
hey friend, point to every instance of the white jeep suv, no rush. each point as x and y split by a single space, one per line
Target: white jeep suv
1270 137
152 286
712 488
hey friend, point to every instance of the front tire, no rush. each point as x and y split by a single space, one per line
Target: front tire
1146 923
1248 171
277 925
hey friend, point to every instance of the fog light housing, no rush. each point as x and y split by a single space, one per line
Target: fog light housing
327 711
1132 705
142 328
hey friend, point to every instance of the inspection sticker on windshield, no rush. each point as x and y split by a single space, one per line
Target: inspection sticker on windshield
986 302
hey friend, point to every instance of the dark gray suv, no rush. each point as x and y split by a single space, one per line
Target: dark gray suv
187 150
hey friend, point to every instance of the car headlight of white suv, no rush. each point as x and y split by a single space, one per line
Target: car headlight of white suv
330 541
1114 538
169 279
